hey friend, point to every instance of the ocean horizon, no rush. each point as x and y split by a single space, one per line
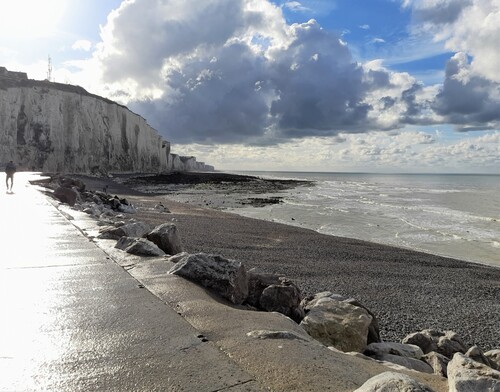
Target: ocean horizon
446 214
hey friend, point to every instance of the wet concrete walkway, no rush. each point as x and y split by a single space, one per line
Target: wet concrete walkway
74 320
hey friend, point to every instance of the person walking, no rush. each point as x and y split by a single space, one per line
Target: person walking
10 169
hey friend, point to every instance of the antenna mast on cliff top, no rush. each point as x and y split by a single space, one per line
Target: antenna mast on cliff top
49 70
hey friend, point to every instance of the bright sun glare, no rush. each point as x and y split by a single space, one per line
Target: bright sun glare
31 18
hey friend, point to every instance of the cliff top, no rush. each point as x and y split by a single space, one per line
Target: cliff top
10 79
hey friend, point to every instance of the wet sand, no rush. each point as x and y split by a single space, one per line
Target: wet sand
407 290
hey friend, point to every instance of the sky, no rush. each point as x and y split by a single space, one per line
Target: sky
306 85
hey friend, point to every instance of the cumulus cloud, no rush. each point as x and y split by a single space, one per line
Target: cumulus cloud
82 44
296 6
438 11
233 70
470 94
469 26
468 99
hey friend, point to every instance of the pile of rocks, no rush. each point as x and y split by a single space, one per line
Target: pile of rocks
344 324
73 192
340 323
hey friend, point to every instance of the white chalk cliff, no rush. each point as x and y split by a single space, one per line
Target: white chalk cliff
63 128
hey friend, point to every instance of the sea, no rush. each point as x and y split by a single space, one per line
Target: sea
451 215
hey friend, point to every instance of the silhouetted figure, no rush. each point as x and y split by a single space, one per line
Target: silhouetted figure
10 169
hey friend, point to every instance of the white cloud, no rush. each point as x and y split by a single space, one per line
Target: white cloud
82 44
234 70
296 6
470 26
406 151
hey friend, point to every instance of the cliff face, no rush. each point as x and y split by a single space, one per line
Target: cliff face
53 127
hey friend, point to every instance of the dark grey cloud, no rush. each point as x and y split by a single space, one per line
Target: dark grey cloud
235 94
319 88
467 99
222 99
233 71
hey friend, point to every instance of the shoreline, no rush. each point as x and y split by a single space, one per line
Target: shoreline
228 194
407 290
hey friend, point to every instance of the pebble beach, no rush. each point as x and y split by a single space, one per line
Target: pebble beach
407 290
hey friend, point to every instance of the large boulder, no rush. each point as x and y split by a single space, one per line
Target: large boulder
393 382
407 355
446 343
402 350
66 195
338 324
139 247
177 257
136 229
407 362
494 357
257 283
373 330
68 182
166 238
467 375
477 355
225 277
438 362
274 294
283 298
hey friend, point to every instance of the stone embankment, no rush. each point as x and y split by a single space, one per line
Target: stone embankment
53 127
340 331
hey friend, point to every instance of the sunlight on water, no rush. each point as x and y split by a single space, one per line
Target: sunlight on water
450 215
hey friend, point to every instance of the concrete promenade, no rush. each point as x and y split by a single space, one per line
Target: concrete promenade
74 320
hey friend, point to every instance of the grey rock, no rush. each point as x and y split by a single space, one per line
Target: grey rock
373 330
225 277
124 242
477 355
68 182
257 282
393 382
338 324
438 362
446 343
160 207
166 238
467 375
66 195
494 357
450 344
137 229
283 298
127 208
400 349
409 363
178 257
139 247
282 335
421 339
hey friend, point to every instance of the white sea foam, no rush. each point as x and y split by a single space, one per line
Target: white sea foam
450 215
